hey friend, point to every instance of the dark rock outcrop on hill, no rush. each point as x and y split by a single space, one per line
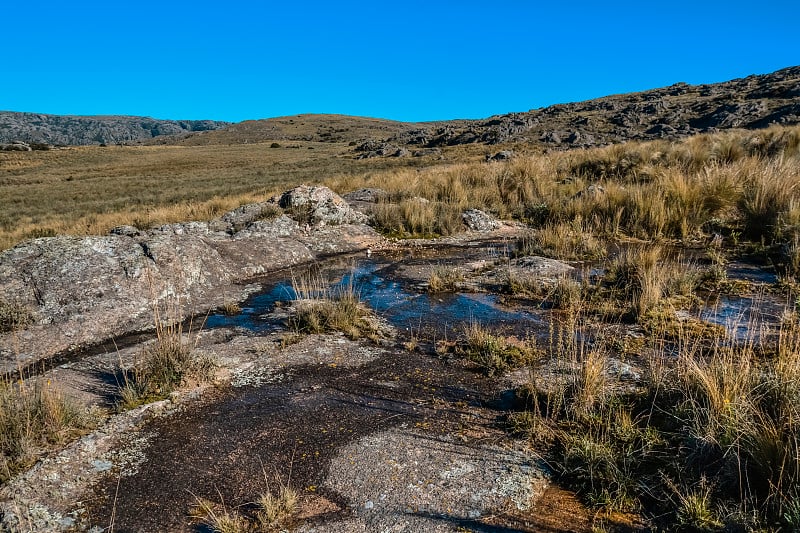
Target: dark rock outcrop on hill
77 130
671 112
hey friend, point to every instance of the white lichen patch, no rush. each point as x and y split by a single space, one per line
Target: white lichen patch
404 471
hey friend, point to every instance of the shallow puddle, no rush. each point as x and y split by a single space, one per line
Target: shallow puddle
745 317
402 302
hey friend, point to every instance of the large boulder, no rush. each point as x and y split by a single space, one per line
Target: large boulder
319 206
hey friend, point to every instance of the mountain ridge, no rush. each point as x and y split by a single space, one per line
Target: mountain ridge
46 129
671 112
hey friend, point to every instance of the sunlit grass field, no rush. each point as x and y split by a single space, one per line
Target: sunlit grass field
88 190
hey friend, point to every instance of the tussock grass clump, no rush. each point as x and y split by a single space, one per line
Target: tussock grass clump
566 294
272 512
445 279
563 293
563 240
218 517
637 273
277 510
321 308
769 202
230 308
417 218
33 417
651 282
163 366
709 437
496 354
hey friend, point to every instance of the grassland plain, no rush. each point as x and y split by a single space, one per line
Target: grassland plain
88 190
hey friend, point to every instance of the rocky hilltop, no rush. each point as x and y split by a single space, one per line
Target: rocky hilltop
38 129
673 112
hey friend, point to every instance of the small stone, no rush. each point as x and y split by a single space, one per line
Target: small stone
368 504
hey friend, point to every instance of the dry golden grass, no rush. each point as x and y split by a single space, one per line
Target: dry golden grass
35 416
737 182
88 190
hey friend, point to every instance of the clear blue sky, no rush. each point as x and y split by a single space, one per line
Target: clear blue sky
412 60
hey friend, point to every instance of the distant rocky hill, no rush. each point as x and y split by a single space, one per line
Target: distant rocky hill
36 129
672 112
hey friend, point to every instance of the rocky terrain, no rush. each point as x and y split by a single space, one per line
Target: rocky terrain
374 435
83 290
672 112
36 130
397 430
420 409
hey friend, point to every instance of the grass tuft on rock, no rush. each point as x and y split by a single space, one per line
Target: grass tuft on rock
496 354
163 366
35 416
320 308
445 279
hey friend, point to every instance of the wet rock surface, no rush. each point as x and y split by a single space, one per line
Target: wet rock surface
301 411
299 424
